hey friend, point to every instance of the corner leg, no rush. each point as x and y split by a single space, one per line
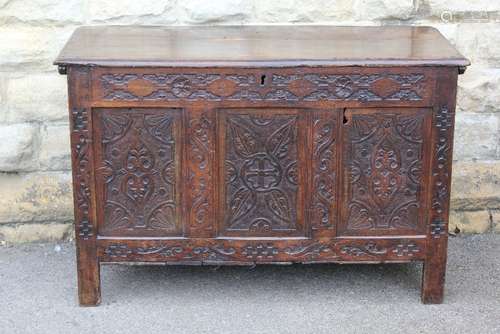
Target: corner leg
433 280
443 120
89 279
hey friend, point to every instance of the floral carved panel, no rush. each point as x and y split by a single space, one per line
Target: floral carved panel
138 171
383 170
261 173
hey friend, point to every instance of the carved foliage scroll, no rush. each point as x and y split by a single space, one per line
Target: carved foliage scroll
81 151
138 169
262 251
309 86
81 141
383 169
201 175
261 177
324 171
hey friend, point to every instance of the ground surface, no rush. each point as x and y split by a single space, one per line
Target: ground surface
38 295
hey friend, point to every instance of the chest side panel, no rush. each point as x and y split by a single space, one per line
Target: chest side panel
384 163
138 168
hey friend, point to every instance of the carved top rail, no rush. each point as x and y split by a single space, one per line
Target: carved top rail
300 86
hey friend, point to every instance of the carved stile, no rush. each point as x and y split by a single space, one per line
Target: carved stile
201 174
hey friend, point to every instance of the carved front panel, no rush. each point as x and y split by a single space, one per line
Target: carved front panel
138 171
262 182
383 171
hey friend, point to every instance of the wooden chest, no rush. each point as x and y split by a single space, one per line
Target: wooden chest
244 145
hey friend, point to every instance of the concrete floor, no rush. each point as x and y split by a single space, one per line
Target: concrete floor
38 295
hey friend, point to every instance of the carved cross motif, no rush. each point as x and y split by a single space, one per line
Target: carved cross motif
259 151
261 173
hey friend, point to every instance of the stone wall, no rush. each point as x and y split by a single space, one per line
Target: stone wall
35 188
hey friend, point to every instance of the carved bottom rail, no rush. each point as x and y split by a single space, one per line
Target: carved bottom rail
262 251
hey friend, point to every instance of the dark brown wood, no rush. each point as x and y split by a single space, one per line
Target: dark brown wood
437 226
138 179
385 169
262 172
201 173
259 46
82 158
251 251
347 87
183 154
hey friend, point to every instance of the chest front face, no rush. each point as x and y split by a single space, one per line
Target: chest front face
245 145
293 156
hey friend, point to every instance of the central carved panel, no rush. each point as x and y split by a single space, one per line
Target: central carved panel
137 173
383 164
261 180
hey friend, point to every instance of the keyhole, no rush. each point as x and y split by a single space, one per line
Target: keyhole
262 79
344 119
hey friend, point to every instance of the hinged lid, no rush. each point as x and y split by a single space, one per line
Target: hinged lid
250 46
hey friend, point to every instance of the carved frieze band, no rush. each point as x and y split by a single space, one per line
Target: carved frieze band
443 126
308 251
383 86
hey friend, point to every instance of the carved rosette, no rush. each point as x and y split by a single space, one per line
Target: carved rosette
384 86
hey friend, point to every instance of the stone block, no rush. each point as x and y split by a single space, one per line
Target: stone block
477 136
37 232
495 217
282 11
67 11
31 48
17 147
437 7
220 11
35 97
476 41
479 90
383 9
475 185
36 197
469 221
55 153
129 11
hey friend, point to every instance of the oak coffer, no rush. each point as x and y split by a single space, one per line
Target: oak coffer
261 144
